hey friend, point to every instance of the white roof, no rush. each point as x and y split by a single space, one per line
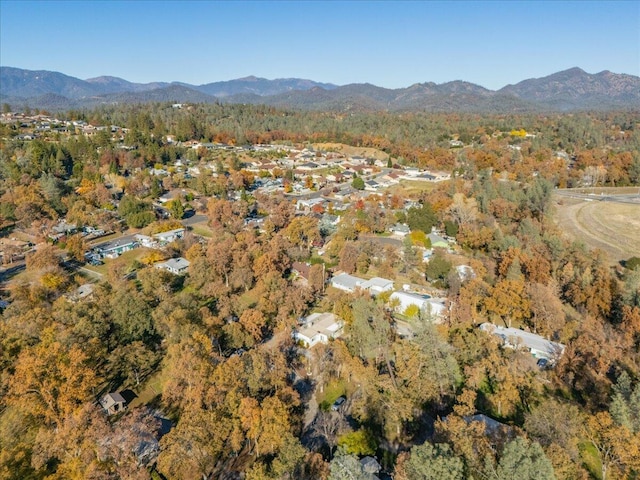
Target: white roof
515 337
347 281
169 233
177 263
326 324
377 282
417 297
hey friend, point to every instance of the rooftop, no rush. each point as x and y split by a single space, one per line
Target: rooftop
514 337
118 242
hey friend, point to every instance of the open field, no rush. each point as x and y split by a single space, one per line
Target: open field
349 150
411 188
611 227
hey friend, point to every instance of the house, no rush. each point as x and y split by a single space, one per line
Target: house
302 269
308 203
371 186
370 465
164 238
175 194
400 229
83 291
346 282
437 241
113 403
350 283
115 248
177 266
425 303
145 241
515 338
465 272
377 285
318 328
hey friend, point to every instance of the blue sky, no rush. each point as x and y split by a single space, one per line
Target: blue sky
388 43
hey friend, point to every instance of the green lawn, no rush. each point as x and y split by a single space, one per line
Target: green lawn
150 389
333 390
590 459
202 229
127 257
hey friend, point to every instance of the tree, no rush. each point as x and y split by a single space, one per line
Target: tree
192 448
632 263
625 405
617 447
358 183
509 301
51 381
176 208
432 462
463 211
76 246
451 228
438 267
344 466
361 442
349 257
522 460
422 218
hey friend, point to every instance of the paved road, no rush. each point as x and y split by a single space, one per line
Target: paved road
12 270
603 197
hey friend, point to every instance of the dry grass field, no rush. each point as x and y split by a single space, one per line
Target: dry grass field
611 227
349 150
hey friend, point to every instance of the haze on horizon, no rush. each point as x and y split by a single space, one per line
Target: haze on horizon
389 44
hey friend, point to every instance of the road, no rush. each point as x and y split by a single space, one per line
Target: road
12 270
602 197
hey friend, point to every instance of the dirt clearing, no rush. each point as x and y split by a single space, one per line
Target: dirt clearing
611 227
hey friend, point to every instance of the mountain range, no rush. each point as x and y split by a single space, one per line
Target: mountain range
569 90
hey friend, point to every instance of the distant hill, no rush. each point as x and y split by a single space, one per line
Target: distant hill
576 89
259 86
569 90
15 82
118 85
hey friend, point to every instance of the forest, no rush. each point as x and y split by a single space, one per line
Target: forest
222 389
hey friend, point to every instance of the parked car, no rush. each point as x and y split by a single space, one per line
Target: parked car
338 403
543 363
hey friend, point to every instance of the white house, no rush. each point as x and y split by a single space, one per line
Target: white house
309 203
426 303
400 229
145 241
515 338
465 272
164 238
377 285
318 328
177 266
346 282
349 283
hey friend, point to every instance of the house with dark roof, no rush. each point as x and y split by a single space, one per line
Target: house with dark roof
115 248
